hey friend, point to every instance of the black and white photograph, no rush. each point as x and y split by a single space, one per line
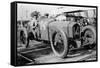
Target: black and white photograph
54 33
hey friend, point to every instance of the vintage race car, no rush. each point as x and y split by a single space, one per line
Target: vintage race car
67 33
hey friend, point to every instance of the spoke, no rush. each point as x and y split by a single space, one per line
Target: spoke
88 37
58 44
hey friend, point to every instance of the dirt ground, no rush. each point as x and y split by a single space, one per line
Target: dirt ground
39 53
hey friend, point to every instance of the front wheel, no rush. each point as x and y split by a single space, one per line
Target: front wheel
89 37
59 44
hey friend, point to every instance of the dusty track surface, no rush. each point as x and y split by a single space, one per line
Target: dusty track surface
39 52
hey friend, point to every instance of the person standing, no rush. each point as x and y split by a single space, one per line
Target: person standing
33 27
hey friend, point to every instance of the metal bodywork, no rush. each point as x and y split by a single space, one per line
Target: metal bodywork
71 31
54 25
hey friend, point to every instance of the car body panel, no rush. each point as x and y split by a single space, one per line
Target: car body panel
50 25
44 27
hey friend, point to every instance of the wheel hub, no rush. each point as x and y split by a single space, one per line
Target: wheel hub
58 44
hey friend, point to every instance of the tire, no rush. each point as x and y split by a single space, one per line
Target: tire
59 40
89 37
23 37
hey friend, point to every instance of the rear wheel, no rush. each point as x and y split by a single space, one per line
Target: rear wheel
59 44
23 37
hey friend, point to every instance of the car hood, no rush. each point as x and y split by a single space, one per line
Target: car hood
59 24
55 23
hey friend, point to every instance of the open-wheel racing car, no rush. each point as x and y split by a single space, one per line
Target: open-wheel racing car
72 31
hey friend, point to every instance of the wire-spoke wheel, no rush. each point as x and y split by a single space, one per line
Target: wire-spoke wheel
89 38
59 44
23 37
